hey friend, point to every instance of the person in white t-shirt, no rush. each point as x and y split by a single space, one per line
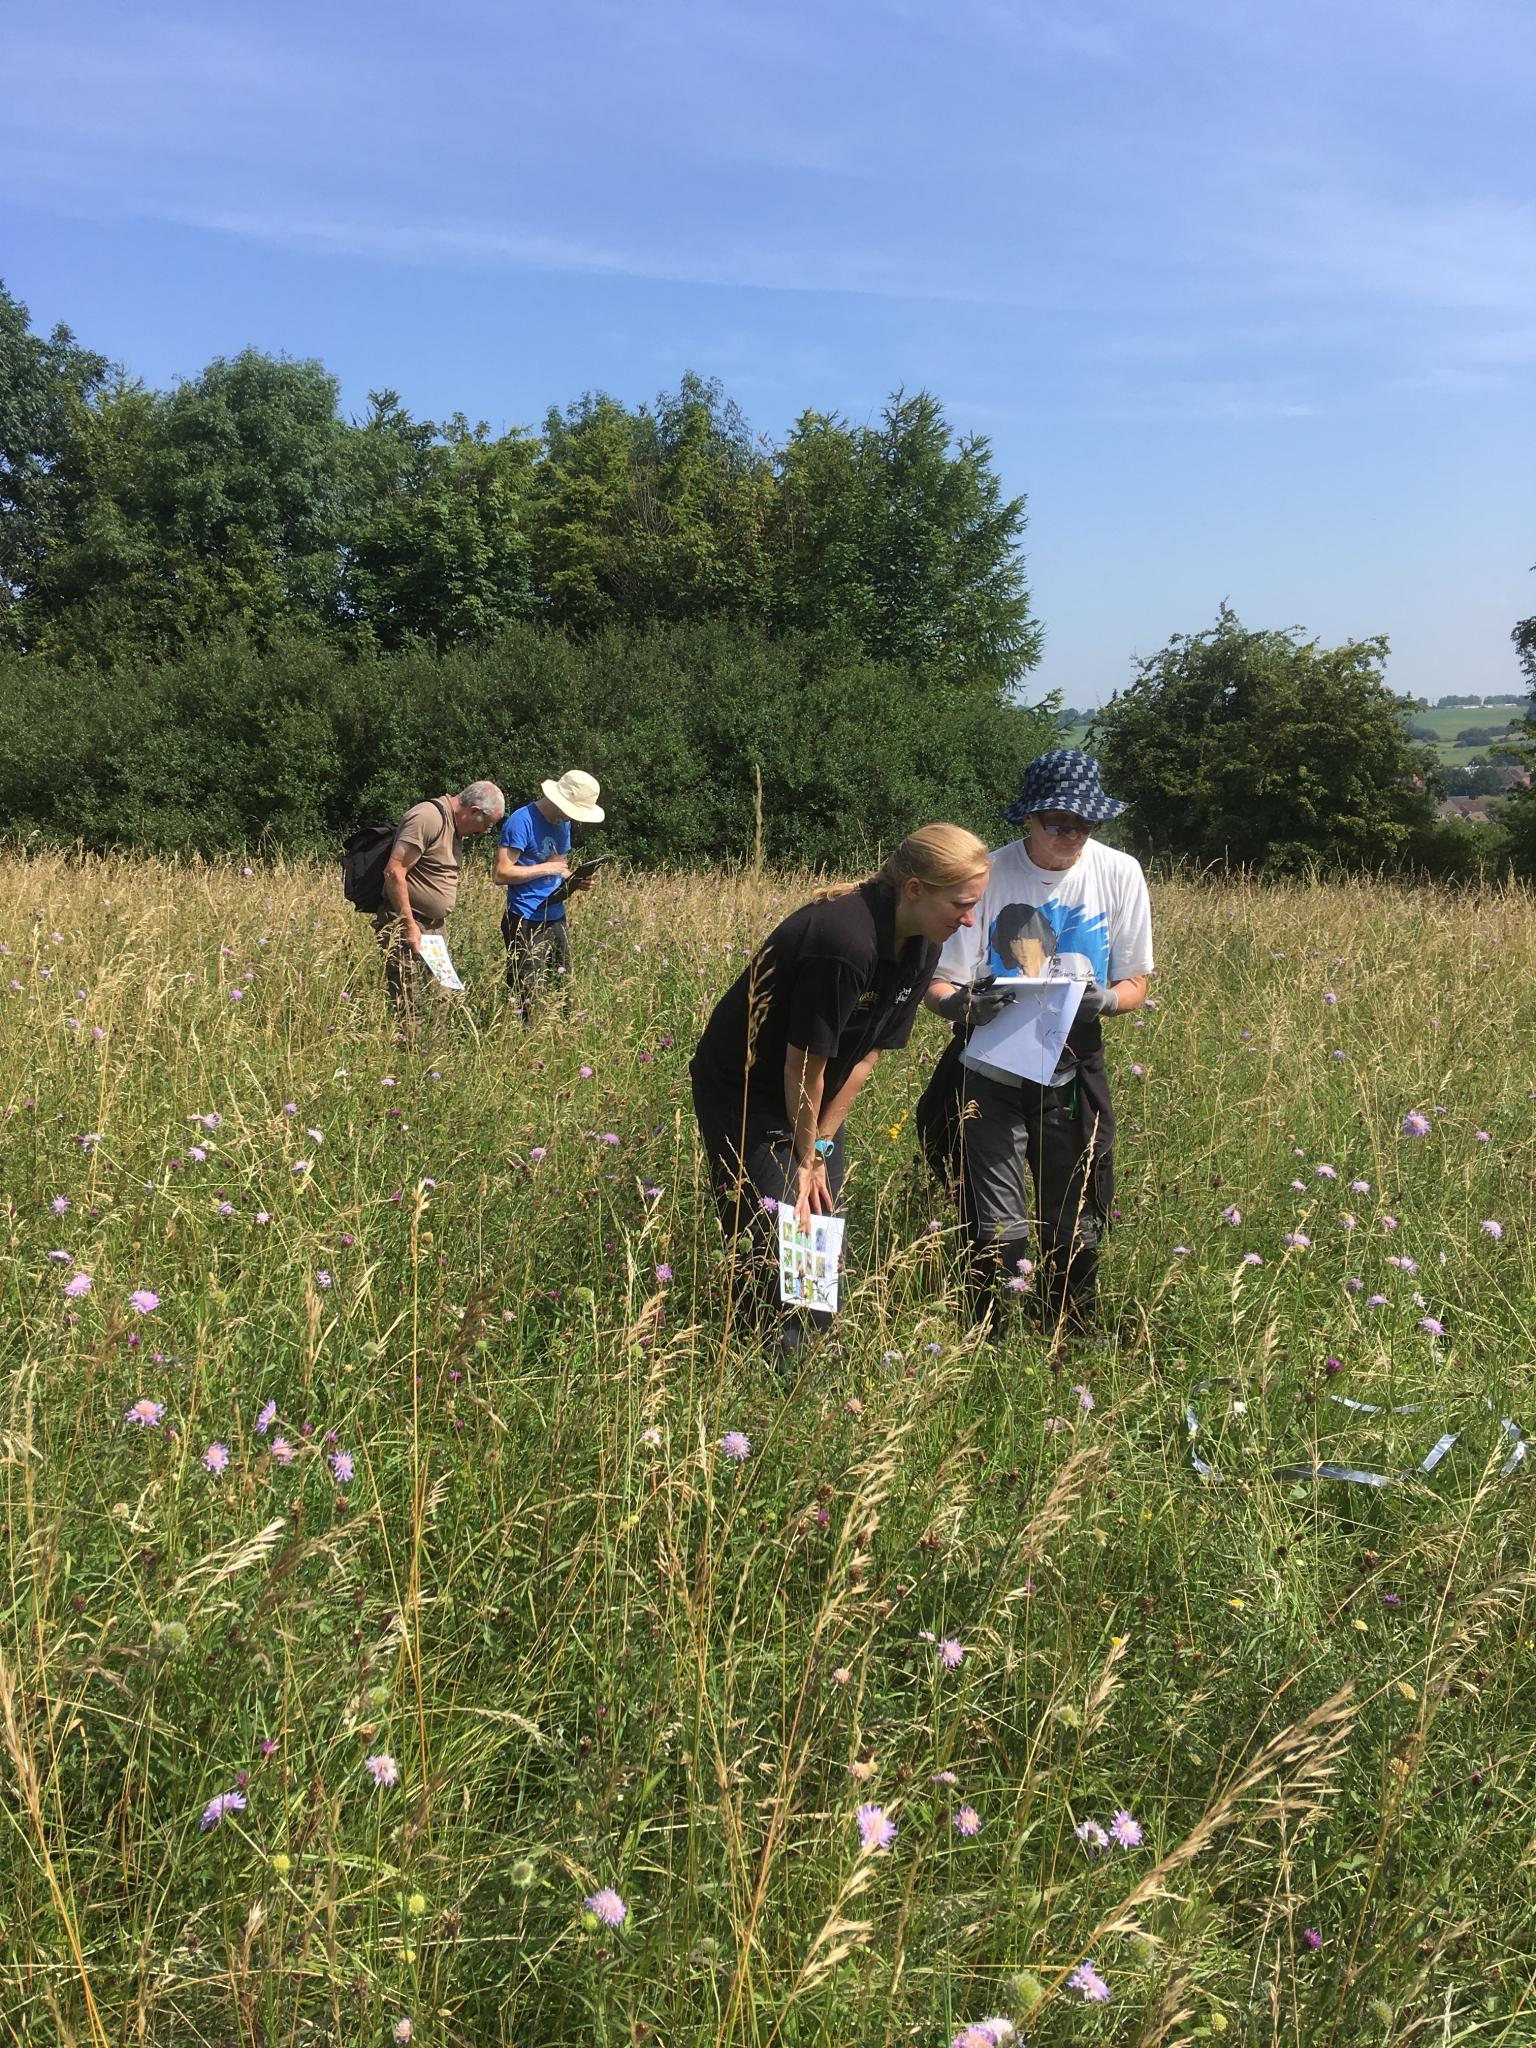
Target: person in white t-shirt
1033 1164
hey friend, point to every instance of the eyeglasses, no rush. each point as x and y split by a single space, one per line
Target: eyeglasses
1063 825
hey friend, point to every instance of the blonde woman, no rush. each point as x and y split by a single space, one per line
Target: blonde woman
795 1038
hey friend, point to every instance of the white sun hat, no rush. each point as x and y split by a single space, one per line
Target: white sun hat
576 793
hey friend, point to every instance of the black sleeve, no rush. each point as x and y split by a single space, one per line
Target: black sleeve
898 1026
826 994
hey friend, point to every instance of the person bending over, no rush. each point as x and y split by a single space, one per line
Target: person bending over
795 1038
532 862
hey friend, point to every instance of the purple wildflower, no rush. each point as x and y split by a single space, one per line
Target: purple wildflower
341 1465
1086 1979
216 1458
60 1205
220 1806
1491 1229
1251 1259
144 1300
967 1821
1232 1215
78 1284
663 1274
1311 1938
606 1906
1415 1124
875 1831
1091 1835
951 1654
1432 1325
1296 1241
1326 1172
266 1418
737 1445
146 1413
283 1452
1126 1831
382 1768
1353 1284
322 1278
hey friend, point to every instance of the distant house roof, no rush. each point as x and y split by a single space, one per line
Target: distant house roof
1472 810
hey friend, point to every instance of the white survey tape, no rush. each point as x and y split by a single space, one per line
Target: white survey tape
1353 1475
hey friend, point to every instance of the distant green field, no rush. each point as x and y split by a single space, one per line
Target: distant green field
1444 724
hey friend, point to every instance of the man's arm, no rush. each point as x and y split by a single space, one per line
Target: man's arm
397 893
1130 993
804 1073
939 993
507 871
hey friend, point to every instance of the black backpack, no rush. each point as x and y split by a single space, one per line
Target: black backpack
363 861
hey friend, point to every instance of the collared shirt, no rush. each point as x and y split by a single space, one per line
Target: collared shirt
829 980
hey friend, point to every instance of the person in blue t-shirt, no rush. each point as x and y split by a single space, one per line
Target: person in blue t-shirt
533 861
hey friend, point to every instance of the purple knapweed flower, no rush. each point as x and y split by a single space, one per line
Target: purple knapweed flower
875 1831
1415 1124
1311 1938
220 1807
737 1445
382 1768
1086 1979
607 1907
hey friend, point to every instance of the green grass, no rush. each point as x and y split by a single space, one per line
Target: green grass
603 1654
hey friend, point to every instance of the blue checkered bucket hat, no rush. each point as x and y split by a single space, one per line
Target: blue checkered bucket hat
1066 779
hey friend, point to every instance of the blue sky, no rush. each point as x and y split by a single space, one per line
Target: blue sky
1244 294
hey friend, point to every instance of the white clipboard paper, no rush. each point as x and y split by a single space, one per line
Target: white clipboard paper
810 1258
1026 1039
434 950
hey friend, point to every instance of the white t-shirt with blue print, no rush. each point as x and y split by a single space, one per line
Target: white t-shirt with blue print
1090 922
529 834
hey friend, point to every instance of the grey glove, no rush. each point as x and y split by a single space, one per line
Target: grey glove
978 1004
1097 1002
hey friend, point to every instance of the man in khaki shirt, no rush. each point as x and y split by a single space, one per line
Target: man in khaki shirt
421 880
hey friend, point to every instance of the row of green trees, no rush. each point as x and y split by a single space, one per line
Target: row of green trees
138 523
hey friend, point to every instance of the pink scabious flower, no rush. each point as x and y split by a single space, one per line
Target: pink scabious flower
607 1907
145 1413
584 1073
1326 1172
967 1821
1311 1938
539 1152
1389 1223
608 1137
875 1830
1085 1401
1491 1229
216 1458
736 1444
144 1300
322 1278
220 1807
1232 1215
1432 1325
341 1465
1296 1241
382 1768
266 1417
78 1284
1091 1835
1086 1979
60 1205
994 2033
1483 1137
1353 1284
1330 998
951 1654
943 1778
663 1274
1137 1070
1126 1831
1251 1259
283 1452
1415 1124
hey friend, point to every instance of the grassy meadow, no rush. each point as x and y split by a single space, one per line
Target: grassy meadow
380 1588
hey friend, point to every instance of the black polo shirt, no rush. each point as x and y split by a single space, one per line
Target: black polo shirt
830 980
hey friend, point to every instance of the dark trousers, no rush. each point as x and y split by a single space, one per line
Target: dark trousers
752 1160
1033 1169
406 974
538 953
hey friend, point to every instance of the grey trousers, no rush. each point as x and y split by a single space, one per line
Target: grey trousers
1033 1169
538 953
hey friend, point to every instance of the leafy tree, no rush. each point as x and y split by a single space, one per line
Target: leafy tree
46 390
1267 750
888 538
442 545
